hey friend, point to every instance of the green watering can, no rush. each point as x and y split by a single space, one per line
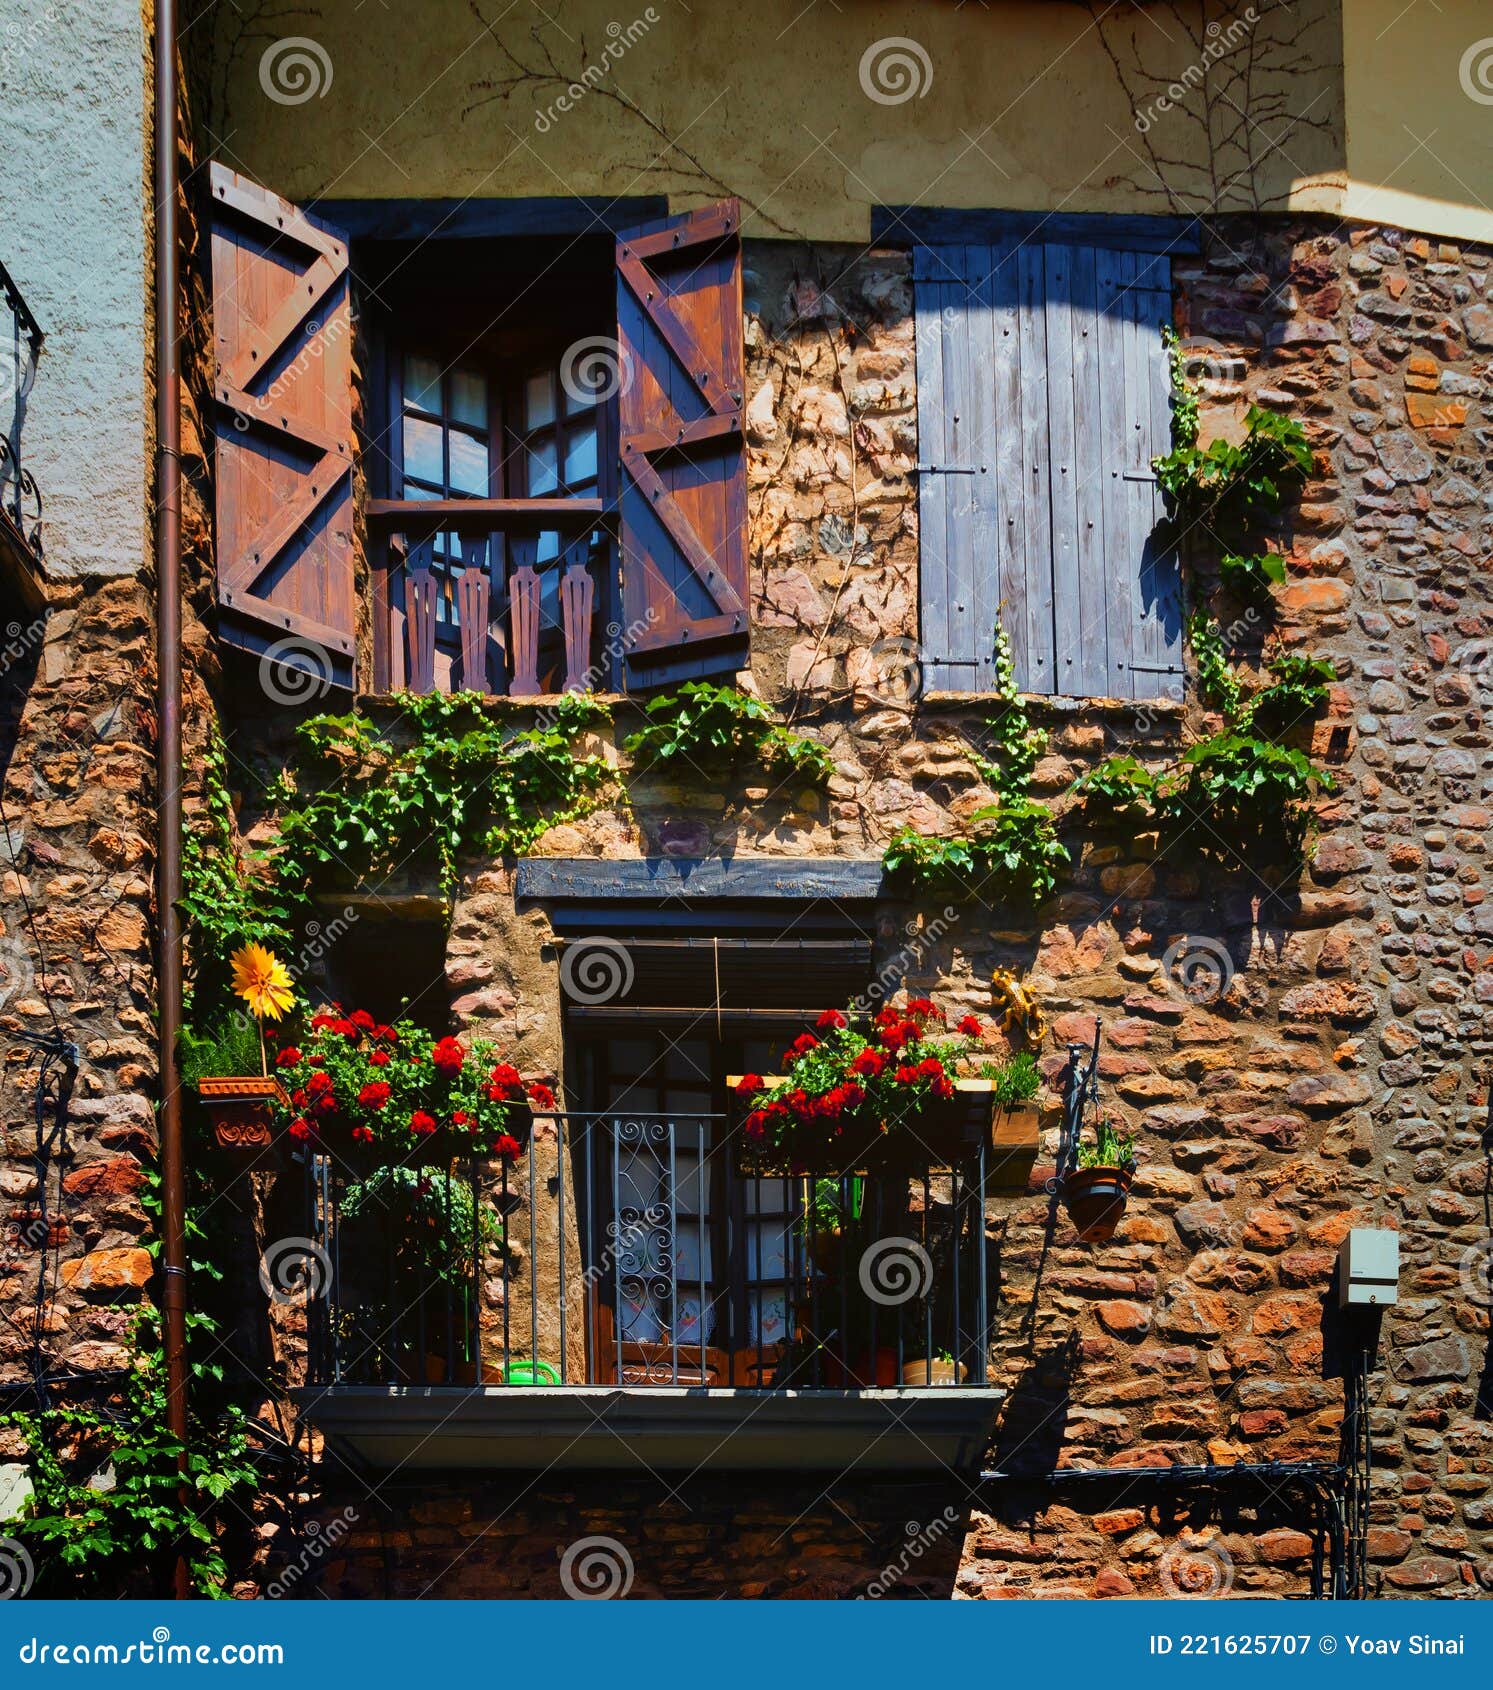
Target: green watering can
532 1373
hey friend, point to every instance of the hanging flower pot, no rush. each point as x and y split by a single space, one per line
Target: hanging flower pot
1096 1198
241 1108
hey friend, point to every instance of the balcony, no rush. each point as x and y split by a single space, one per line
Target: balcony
533 635
623 1294
21 569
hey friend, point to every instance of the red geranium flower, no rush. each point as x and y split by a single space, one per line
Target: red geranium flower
301 1129
288 1057
316 1059
831 1019
906 1075
504 1080
747 1084
507 1147
924 1009
869 1062
326 1105
448 1056
321 1019
755 1125
379 1058
943 1086
804 1043
318 1083
541 1096
361 1019
386 1033
930 1068
421 1124
971 1028
896 1034
375 1094
362 1135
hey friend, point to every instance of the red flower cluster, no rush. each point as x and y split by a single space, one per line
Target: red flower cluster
358 1080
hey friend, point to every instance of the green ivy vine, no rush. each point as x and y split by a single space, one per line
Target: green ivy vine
1011 851
708 728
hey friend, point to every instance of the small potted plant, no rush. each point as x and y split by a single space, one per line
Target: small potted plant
1099 1187
241 1104
940 1369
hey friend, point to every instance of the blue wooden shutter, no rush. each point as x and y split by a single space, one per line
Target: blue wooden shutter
682 488
1042 398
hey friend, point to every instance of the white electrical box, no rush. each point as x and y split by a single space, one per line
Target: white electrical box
1369 1268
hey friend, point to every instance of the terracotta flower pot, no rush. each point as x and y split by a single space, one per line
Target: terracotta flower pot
862 1371
242 1109
1095 1199
934 1373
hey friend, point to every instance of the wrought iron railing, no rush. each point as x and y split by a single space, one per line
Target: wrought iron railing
20 497
634 1250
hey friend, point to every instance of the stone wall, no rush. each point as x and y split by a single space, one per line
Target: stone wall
1342 1079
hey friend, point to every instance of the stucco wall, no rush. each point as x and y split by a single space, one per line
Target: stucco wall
72 175
812 114
1418 90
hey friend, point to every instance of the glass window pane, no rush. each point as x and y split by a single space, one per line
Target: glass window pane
767 1252
687 1317
468 464
772 1326
422 449
469 399
687 1257
422 384
539 401
580 455
541 463
689 1189
414 491
547 550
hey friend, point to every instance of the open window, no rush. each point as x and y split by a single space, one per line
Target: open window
550 434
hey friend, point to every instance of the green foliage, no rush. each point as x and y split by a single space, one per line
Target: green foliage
455 779
1016 1080
708 728
1113 1147
1219 683
1298 692
1118 787
1244 791
227 1045
1017 745
428 1218
1250 578
1227 490
94 1536
1011 852
1184 393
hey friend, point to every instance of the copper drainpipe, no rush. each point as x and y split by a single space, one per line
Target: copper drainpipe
168 683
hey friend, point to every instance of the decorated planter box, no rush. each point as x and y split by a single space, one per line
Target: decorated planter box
241 1108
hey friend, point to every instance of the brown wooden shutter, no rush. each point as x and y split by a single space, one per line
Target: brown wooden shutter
682 487
284 436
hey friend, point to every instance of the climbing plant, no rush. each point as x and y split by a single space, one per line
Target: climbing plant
708 728
1010 851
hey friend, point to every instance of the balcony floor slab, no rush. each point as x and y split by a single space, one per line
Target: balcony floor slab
656 1428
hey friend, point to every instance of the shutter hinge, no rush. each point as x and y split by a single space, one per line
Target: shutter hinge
947 469
1155 668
